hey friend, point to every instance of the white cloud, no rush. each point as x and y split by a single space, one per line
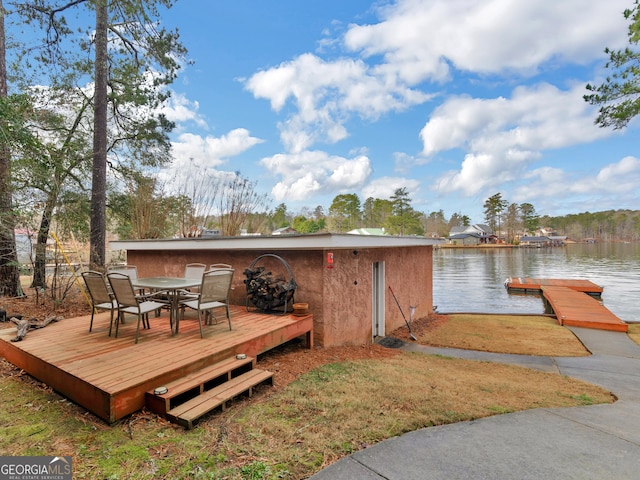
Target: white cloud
420 39
310 173
194 155
623 176
403 162
181 110
385 187
212 151
551 182
503 137
197 155
614 186
325 94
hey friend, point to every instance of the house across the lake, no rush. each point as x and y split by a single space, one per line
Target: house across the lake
475 234
368 231
344 278
284 231
542 241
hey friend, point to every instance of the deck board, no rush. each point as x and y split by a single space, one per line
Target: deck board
577 309
109 376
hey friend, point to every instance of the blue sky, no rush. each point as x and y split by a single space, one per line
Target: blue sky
455 100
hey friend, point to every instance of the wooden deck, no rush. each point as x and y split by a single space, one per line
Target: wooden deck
569 303
109 376
574 308
537 284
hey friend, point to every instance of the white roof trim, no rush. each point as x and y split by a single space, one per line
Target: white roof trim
321 241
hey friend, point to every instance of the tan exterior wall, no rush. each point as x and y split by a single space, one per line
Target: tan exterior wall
340 298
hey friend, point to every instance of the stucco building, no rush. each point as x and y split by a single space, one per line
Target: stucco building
344 278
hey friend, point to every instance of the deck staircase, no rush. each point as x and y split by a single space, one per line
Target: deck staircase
189 398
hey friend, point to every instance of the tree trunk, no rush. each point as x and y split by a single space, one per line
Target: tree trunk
99 183
40 262
9 271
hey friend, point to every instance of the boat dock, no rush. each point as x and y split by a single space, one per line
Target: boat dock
575 303
534 285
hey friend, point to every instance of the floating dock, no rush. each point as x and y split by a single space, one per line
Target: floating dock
535 285
570 304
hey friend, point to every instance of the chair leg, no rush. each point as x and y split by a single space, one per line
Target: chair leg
93 310
111 323
200 321
228 315
119 318
138 327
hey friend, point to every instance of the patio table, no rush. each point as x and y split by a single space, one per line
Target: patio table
171 285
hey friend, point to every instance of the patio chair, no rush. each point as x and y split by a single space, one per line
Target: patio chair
214 293
215 266
101 298
130 271
193 270
129 302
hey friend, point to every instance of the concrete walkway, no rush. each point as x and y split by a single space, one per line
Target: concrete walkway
583 443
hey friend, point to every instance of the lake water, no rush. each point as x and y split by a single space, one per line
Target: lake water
472 279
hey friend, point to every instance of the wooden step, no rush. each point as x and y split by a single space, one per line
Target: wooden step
193 384
190 411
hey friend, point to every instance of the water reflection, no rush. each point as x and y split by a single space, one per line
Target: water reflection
472 280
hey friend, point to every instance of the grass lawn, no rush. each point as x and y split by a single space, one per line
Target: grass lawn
518 334
634 332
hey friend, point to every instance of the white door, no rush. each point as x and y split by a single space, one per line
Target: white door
378 300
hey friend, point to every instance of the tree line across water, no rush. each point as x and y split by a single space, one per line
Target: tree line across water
397 216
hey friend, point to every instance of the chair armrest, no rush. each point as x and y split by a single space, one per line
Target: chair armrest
157 296
187 295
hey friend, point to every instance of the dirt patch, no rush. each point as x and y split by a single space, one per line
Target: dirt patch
290 361
420 327
39 306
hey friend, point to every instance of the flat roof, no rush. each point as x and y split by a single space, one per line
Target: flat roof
314 241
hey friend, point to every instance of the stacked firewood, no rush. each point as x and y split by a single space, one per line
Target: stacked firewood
267 291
